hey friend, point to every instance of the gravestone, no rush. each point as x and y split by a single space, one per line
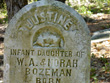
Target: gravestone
47 42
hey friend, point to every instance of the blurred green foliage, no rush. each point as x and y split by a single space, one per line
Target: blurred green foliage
3 16
91 7
85 8
1 3
3 13
30 1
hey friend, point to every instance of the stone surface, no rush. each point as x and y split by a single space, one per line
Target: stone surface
101 35
47 42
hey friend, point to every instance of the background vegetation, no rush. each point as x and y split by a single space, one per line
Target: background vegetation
100 67
85 7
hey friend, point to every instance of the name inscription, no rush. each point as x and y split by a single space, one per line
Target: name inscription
48 16
58 63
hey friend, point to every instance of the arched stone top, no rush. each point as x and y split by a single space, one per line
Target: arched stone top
47 41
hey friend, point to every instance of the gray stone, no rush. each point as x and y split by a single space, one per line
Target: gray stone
47 42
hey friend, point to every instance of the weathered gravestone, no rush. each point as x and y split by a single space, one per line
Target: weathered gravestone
47 42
